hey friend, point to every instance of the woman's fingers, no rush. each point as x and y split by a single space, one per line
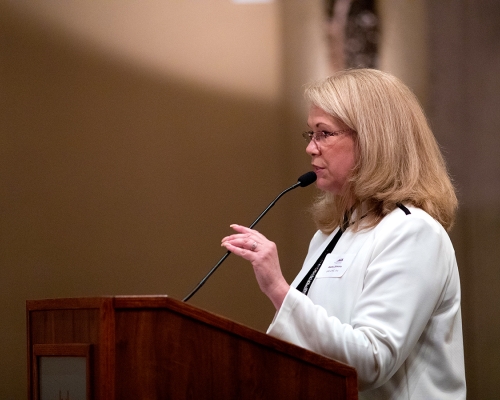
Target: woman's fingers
251 232
241 228
244 244
262 253
247 238
239 251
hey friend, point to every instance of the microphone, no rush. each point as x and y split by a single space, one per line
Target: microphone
303 181
307 179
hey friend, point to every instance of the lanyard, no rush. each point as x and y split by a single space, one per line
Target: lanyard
305 284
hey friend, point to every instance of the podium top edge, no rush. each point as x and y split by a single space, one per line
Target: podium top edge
98 302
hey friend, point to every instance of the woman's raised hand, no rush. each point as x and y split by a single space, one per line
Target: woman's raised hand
263 254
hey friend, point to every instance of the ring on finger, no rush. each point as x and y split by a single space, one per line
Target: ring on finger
254 246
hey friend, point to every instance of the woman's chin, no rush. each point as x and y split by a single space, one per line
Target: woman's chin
327 187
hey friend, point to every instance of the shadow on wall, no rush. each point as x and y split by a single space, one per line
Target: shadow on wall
116 181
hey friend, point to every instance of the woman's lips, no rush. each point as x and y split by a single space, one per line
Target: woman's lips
317 169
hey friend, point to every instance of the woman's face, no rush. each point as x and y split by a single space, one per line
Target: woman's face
333 157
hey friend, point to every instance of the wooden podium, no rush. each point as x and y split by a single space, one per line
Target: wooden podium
155 347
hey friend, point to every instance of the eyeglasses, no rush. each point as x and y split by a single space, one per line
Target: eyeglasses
320 136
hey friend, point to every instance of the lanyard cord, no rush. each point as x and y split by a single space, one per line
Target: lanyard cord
305 284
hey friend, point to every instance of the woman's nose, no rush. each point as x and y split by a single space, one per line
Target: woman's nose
312 148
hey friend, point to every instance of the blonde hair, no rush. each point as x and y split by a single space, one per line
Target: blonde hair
398 158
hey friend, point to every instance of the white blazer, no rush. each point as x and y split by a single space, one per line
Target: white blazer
387 302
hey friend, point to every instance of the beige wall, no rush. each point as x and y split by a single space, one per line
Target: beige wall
465 99
133 133
404 43
215 44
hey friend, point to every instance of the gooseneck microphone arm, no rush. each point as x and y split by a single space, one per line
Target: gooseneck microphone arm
304 180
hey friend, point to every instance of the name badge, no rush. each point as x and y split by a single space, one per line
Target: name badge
335 265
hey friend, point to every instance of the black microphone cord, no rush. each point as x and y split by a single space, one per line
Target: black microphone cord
304 180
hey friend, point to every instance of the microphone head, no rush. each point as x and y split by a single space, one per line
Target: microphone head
307 179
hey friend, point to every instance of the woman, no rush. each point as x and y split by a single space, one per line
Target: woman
379 288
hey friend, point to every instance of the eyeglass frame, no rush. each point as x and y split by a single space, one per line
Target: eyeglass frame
314 135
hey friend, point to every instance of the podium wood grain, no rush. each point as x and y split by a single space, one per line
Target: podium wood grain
155 347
